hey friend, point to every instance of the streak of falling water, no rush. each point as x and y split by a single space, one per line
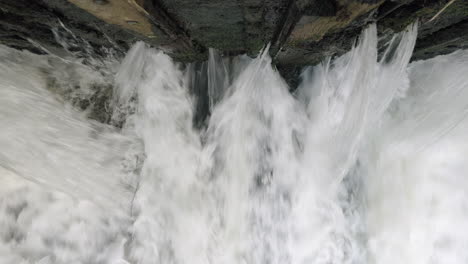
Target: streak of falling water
364 163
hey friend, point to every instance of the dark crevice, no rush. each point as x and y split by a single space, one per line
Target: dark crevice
289 21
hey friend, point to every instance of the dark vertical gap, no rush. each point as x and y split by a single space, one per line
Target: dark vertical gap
198 79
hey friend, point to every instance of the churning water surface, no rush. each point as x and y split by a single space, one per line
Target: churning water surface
365 163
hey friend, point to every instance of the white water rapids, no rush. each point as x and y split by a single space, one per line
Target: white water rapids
365 163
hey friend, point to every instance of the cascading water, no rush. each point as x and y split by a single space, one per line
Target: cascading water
364 163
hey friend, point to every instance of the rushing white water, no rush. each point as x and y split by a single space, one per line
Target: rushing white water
364 163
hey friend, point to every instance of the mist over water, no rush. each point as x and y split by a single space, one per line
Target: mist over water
364 163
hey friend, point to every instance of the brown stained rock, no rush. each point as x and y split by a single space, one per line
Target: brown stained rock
314 28
316 37
126 14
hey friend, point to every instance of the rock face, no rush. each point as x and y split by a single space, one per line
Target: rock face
30 25
301 32
39 25
231 26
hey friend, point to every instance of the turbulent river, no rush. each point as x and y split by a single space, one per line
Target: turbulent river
366 162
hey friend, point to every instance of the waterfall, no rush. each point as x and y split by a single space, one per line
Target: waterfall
219 162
